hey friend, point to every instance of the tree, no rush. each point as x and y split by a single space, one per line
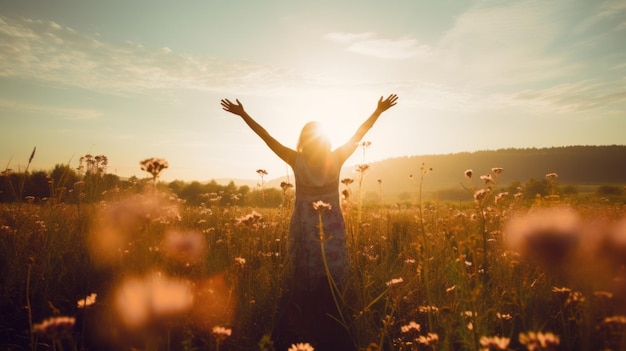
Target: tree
536 187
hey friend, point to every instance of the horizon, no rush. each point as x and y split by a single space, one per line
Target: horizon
95 78
252 180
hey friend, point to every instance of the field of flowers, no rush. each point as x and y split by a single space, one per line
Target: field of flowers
145 271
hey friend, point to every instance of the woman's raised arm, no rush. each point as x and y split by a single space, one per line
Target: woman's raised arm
350 146
286 154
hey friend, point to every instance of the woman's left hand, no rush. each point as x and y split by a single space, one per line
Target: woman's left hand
384 105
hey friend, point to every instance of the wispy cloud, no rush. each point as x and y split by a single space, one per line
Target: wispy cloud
44 50
577 97
518 53
67 113
369 44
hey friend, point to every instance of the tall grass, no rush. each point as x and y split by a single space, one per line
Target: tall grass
437 276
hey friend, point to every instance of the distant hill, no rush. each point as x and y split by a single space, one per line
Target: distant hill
575 165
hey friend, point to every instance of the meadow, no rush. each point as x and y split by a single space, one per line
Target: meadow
143 270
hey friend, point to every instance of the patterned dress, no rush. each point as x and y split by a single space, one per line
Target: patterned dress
312 185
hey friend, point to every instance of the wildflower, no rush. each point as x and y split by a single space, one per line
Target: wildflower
87 301
362 168
347 181
221 333
479 195
539 341
615 319
497 170
500 196
552 175
603 294
503 316
411 326
365 144
321 206
301 347
154 166
428 309
395 281
285 186
469 173
345 194
487 178
55 327
429 339
489 343
250 219
261 172
575 296
240 261
556 289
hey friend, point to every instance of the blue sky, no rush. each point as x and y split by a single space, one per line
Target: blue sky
138 79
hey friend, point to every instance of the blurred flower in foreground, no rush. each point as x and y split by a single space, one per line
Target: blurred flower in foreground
117 225
55 327
213 303
184 247
152 298
614 244
549 235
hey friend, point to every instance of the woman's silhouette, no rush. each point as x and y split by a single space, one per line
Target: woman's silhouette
303 315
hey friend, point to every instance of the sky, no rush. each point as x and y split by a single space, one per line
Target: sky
134 79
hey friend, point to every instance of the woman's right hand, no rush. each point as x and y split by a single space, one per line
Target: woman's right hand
231 107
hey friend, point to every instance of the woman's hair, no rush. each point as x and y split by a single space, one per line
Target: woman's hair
313 139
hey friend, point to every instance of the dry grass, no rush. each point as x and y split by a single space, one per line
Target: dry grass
169 276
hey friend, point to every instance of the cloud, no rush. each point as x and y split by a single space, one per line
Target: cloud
43 50
369 44
577 97
67 113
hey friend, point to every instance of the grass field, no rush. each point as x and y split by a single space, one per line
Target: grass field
146 271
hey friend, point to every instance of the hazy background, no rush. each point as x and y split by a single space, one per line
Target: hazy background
143 78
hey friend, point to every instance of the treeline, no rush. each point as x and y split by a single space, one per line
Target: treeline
64 184
577 166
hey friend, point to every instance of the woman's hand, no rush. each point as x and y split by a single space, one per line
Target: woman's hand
237 108
384 105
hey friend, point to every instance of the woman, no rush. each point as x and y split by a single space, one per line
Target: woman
304 311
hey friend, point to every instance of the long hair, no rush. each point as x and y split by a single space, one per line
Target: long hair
313 140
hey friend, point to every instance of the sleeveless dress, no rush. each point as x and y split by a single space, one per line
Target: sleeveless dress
305 252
